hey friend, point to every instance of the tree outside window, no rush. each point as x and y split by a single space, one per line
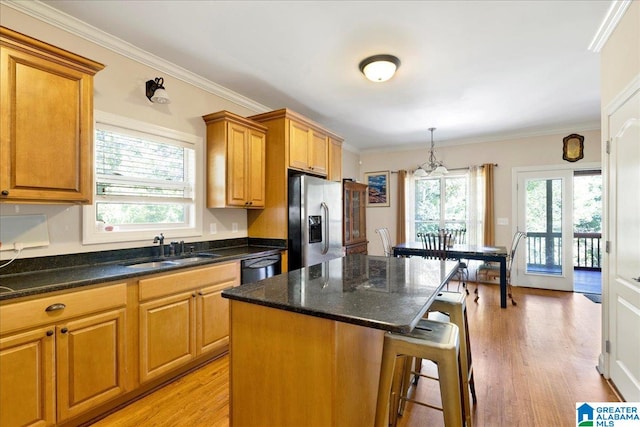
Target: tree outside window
441 203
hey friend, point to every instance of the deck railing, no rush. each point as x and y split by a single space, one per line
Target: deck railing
587 250
544 251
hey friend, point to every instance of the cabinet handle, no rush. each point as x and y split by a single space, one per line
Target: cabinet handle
64 330
49 333
200 293
5 192
55 307
193 294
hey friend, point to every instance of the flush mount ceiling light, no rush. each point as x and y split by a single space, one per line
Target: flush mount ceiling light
156 92
379 68
433 166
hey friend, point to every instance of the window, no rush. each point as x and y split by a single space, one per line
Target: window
145 182
440 203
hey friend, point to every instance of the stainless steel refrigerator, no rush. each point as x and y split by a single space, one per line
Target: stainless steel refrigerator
315 220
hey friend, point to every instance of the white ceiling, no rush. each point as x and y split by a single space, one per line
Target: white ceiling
475 70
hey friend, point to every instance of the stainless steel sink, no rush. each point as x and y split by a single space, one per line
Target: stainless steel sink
153 264
191 259
157 263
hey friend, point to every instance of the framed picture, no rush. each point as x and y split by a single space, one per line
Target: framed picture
378 191
573 147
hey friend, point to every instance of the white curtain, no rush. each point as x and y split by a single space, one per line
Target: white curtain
475 232
410 207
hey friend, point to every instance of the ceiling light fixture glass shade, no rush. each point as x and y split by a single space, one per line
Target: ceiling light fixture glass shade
379 68
155 91
431 167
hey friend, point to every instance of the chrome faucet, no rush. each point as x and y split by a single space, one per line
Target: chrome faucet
160 239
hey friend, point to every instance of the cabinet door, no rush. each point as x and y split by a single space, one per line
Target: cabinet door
256 168
45 130
167 334
90 362
335 161
213 319
360 211
299 145
27 379
237 179
348 216
318 153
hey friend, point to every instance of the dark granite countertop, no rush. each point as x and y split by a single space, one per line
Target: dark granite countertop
73 271
377 292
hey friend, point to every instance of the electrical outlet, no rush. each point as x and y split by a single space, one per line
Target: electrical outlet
213 228
234 227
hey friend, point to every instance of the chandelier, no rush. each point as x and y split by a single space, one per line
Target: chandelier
431 167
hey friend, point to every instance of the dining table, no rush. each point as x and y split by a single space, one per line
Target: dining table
461 251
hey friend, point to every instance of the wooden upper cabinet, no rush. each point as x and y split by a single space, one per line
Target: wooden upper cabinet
307 148
235 161
46 122
335 160
293 143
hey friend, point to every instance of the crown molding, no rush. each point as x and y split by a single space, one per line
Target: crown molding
609 23
49 15
498 137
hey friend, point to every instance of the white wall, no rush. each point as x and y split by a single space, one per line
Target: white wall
620 56
532 151
119 89
350 164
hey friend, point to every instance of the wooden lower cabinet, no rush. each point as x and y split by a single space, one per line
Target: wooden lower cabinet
183 316
71 360
212 319
79 360
27 379
90 362
167 336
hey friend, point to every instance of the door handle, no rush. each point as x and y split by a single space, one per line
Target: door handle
637 279
325 208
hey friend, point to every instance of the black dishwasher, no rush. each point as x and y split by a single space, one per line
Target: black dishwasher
255 269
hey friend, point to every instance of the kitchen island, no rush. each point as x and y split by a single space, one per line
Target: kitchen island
306 346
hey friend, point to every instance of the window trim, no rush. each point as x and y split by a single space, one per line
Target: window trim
90 234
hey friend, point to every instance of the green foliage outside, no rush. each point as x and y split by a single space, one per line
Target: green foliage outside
430 214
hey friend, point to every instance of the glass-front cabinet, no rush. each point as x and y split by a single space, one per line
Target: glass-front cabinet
354 236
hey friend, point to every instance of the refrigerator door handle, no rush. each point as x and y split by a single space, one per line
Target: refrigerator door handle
325 247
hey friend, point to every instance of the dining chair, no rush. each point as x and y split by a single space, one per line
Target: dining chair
492 270
459 237
386 241
436 246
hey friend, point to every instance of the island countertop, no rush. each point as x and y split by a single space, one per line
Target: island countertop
377 292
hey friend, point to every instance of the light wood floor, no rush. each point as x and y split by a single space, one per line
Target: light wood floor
532 363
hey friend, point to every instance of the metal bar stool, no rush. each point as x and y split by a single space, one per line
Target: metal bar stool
454 305
431 340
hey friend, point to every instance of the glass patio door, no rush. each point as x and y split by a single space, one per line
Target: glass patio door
545 259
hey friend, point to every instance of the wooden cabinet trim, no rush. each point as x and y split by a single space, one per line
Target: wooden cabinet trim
22 42
292 115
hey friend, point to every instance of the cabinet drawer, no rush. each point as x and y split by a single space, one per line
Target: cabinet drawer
32 313
167 284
